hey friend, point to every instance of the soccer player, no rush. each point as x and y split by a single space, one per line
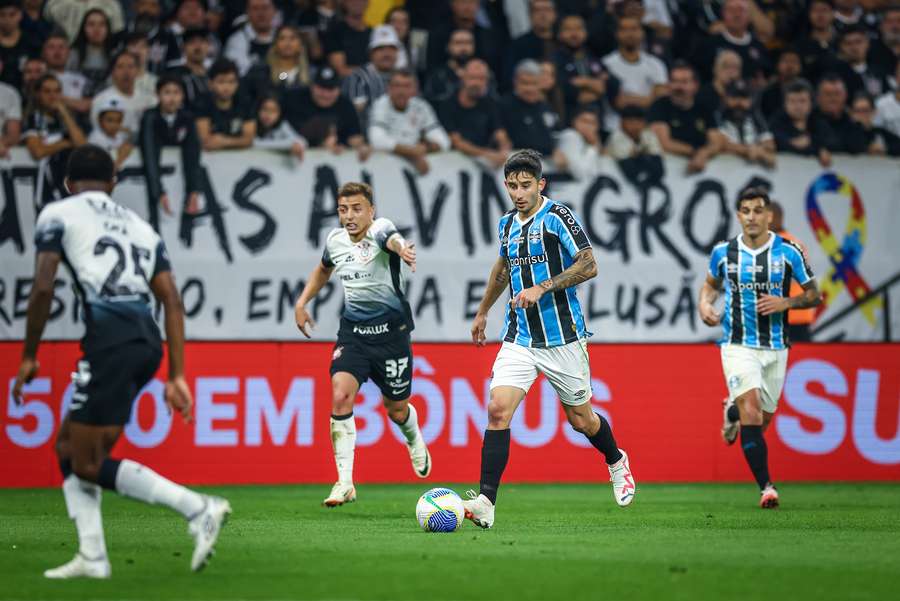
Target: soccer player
544 255
116 261
373 340
758 265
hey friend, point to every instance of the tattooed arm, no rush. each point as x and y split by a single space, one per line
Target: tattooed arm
496 284
583 269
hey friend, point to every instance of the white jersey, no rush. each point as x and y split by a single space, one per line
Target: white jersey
112 255
373 277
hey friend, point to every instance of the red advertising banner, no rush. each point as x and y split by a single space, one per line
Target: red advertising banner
262 409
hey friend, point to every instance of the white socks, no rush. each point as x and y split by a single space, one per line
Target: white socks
83 505
411 428
343 440
140 482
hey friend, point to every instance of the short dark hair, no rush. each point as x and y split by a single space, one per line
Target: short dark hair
11 4
222 66
584 108
683 64
800 86
401 73
90 162
753 194
167 79
632 111
354 189
524 161
854 28
195 32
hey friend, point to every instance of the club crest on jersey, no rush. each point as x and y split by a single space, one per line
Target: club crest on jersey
734 382
535 236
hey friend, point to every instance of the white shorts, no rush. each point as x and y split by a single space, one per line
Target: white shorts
566 367
748 368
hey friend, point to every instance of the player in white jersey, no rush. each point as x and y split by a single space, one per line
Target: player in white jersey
367 254
117 264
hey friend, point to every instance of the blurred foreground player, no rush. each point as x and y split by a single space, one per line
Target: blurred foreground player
116 261
544 255
758 265
373 340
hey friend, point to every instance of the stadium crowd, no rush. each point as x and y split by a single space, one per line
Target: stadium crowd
574 79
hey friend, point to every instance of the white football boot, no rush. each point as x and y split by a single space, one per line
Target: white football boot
479 509
768 497
622 481
205 528
340 493
420 457
81 567
730 429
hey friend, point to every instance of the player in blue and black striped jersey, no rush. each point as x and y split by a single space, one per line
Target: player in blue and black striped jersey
756 269
544 254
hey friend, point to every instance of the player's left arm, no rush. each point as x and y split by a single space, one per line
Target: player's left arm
404 248
38 312
581 270
795 255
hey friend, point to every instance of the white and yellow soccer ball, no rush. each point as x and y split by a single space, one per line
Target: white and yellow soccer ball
440 510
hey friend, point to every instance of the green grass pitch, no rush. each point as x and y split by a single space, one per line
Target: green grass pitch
828 541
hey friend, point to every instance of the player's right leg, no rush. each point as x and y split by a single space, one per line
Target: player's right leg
344 387
514 372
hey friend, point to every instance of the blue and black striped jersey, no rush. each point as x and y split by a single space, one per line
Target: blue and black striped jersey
536 250
747 274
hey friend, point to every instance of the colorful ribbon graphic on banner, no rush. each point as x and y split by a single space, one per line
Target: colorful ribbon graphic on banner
844 258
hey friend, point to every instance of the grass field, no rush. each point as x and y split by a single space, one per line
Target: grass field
567 542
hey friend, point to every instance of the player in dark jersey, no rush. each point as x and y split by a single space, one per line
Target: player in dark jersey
368 256
117 263
758 266
544 255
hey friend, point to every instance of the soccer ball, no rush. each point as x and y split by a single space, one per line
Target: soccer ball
440 510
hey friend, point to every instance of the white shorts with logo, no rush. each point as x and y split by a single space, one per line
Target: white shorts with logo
566 367
748 368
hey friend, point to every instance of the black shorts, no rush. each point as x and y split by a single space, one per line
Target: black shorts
384 355
107 382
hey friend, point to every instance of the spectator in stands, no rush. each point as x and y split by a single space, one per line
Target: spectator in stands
70 14
443 80
831 107
539 43
34 25
193 68
581 74
32 70
636 148
273 132
109 135
92 49
191 14
887 108
147 20
75 86
15 46
879 141
885 50
325 117
224 121
50 133
472 119
580 145
848 13
683 126
413 43
788 69
286 66
346 43
136 44
10 117
250 44
797 130
314 19
642 76
123 77
741 130
169 124
853 67
527 118
404 124
463 16
735 35
817 48
368 83
726 69
551 92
